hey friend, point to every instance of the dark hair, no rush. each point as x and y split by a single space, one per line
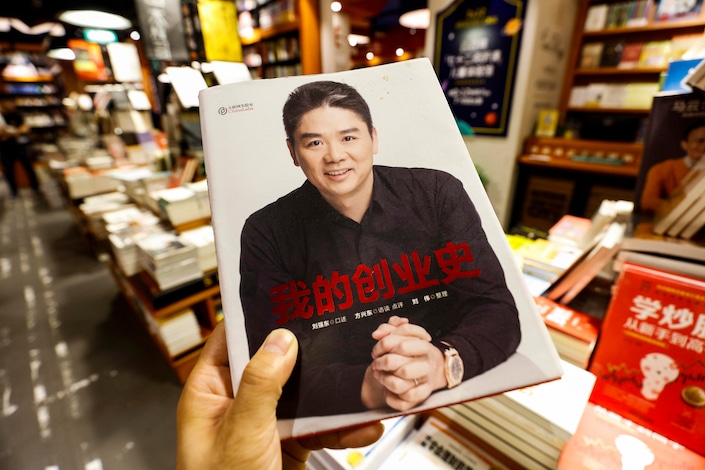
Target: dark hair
322 93
691 127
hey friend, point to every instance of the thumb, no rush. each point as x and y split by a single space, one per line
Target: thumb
255 402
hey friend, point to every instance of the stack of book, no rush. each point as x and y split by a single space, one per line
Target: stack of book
168 260
179 332
200 188
204 241
123 245
530 426
81 183
573 333
683 214
440 443
369 457
93 208
648 361
182 204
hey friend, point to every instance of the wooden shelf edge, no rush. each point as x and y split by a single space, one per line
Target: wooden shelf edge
651 27
596 109
565 164
620 71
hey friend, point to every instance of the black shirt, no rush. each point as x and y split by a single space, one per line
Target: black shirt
419 252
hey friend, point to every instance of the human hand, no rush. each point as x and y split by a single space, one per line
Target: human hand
217 430
406 364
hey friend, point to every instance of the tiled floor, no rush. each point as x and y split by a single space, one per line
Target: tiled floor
82 385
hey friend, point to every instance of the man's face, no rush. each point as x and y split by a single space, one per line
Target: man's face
334 149
695 145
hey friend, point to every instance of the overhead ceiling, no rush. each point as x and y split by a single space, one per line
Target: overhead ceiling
378 15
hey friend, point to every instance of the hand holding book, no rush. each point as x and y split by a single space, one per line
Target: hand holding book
217 429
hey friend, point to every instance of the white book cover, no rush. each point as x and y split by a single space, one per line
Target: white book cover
383 256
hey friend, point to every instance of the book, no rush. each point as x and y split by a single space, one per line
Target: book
596 17
642 238
630 55
662 164
649 357
677 10
690 216
655 54
183 171
547 259
694 227
591 55
584 270
370 457
574 333
611 53
665 263
335 300
438 443
674 209
547 123
605 439
530 425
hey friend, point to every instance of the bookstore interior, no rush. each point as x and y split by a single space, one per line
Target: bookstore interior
583 119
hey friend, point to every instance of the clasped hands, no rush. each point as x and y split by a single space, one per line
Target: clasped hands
406 367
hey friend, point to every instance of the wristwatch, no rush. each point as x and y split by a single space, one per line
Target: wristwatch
453 368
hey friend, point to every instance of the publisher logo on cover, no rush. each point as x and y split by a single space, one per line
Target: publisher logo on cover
235 108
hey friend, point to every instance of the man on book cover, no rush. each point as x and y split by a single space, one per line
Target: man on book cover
663 178
384 273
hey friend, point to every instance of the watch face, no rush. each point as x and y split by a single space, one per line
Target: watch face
456 368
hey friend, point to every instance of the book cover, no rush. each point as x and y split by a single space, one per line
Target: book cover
570 230
582 328
547 123
630 55
591 55
586 268
366 236
676 125
611 53
655 54
649 356
596 17
678 10
605 439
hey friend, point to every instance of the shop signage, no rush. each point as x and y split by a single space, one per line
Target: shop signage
477 50
162 29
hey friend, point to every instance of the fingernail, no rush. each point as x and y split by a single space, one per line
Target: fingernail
278 342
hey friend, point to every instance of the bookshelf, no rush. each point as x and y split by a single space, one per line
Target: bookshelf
35 93
284 39
152 306
604 107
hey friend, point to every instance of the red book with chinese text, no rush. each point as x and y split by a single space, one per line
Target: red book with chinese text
606 440
291 254
574 333
649 359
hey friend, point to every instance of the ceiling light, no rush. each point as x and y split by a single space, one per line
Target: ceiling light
95 19
336 6
370 56
355 39
399 52
416 19
135 35
62 53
